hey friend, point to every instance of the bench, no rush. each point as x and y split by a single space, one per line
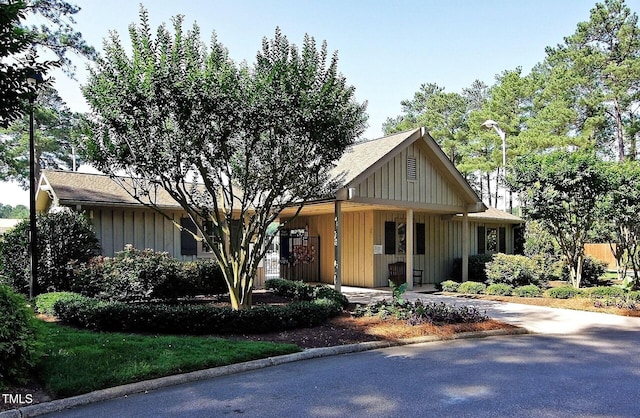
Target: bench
398 273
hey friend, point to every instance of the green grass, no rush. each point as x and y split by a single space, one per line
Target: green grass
79 361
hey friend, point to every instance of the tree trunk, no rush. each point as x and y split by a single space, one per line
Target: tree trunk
620 130
489 187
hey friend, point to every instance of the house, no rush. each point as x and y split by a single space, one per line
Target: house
402 201
118 218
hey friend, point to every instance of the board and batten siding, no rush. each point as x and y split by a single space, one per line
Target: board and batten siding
117 227
443 243
357 246
390 182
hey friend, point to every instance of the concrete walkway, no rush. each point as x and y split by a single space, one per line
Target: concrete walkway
536 319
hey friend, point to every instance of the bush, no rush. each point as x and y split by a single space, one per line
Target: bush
528 291
191 319
634 296
45 301
592 270
514 270
499 289
65 239
563 292
449 286
472 288
19 350
421 313
303 292
477 265
135 275
602 292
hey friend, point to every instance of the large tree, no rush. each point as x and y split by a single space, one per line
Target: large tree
57 134
443 114
29 49
562 190
597 70
620 217
232 144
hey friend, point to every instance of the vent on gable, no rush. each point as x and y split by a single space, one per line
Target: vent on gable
411 168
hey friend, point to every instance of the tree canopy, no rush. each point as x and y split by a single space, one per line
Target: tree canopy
26 50
232 144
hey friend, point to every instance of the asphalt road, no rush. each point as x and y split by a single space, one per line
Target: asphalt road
593 373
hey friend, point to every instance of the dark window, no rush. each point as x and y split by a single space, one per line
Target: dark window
481 240
389 237
420 239
502 239
188 243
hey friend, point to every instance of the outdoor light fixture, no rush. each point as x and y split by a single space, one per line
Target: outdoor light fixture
492 124
33 80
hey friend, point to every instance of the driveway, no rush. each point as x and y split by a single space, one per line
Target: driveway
584 365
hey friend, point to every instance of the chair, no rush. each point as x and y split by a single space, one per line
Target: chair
398 273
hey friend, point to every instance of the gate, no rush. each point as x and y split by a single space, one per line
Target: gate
299 256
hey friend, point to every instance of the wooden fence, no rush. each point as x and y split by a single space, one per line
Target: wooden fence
601 252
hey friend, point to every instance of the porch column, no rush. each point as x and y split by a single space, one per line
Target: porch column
409 236
337 246
465 246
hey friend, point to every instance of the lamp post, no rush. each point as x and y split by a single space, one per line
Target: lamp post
489 124
33 80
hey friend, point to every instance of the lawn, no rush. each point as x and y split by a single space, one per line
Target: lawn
78 361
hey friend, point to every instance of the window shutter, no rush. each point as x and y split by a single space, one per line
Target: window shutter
420 239
389 237
502 239
481 240
188 244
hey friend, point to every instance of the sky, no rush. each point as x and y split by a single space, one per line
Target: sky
386 49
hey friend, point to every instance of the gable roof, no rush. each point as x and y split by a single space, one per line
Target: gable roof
364 158
69 188
364 155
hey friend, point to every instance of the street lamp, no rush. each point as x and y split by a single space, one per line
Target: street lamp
488 124
33 80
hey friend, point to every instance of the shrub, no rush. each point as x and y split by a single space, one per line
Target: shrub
472 288
303 292
45 301
65 239
634 296
191 319
528 291
449 286
135 275
514 270
592 270
499 289
563 292
602 292
420 313
19 350
477 265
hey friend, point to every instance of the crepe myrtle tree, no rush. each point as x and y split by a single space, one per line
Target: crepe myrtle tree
563 191
233 144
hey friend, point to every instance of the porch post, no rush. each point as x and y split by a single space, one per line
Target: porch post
465 246
337 245
409 248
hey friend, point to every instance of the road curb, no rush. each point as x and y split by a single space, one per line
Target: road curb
161 382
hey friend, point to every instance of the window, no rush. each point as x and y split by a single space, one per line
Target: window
492 240
395 238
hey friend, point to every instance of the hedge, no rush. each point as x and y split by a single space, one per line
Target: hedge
191 319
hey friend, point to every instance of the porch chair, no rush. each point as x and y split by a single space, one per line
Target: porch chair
397 273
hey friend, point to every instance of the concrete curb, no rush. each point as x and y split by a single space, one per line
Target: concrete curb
161 382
